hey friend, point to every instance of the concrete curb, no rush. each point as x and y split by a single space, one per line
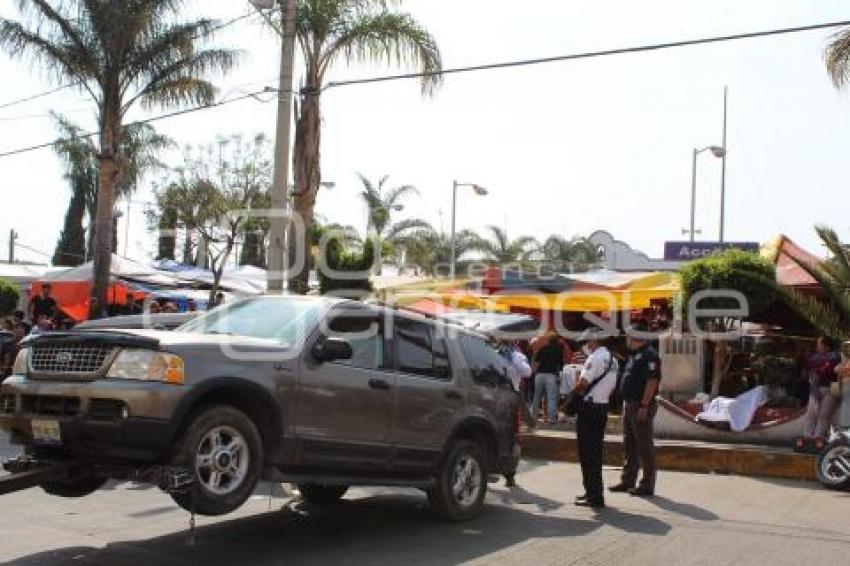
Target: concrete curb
683 456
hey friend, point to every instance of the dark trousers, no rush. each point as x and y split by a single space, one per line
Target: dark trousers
590 429
639 446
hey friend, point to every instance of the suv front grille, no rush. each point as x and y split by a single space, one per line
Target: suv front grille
51 406
70 358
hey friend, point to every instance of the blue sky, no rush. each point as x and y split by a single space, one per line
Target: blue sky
566 148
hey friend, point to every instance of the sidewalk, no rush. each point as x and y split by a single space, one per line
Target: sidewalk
682 455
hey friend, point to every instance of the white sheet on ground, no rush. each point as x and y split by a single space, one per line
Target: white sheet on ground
738 412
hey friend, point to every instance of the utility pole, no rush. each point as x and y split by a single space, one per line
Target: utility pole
723 171
12 237
279 220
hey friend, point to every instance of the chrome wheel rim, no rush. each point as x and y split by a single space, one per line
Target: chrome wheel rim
835 466
467 480
221 461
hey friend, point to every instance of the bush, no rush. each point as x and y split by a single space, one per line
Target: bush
9 297
337 258
735 270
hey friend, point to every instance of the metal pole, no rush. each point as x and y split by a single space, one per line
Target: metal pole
127 228
12 237
280 185
723 171
454 251
694 195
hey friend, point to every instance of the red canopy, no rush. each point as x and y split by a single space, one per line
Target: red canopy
783 252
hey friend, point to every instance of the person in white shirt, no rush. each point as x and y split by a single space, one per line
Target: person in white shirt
598 380
519 368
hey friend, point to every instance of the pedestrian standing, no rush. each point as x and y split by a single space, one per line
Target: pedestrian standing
641 377
598 380
548 364
822 402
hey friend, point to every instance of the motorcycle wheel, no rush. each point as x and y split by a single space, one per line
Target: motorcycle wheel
833 465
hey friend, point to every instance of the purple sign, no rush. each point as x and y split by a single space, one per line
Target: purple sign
686 251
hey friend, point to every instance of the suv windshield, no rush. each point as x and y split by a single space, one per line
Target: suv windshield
282 319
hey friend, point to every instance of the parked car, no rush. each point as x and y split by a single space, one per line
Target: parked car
323 393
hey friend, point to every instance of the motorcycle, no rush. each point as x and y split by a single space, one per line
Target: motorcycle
833 464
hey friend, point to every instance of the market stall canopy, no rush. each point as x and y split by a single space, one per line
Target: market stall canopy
120 268
787 255
591 292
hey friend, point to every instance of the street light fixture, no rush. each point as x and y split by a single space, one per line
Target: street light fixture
480 191
717 151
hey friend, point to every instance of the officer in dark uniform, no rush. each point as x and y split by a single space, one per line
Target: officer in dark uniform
639 387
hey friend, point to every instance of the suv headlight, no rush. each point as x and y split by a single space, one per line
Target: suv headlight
21 366
147 365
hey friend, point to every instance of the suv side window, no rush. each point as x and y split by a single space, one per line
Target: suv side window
366 339
486 366
418 351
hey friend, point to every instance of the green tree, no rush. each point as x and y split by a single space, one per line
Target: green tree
500 249
348 31
381 203
121 54
9 297
731 270
216 195
576 254
140 147
431 251
339 258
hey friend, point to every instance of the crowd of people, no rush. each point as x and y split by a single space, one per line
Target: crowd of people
537 371
44 314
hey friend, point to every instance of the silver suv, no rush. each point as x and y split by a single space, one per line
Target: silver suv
319 392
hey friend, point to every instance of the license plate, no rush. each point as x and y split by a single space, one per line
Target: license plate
46 432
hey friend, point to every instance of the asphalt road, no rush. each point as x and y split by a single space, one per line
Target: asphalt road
697 519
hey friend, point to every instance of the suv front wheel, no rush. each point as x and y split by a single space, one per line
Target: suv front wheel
461 483
223 451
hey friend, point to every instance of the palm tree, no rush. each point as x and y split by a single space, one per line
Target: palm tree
139 146
381 205
431 251
837 55
121 54
832 316
576 254
349 31
502 250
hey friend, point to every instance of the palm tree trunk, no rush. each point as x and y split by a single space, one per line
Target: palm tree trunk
307 178
109 175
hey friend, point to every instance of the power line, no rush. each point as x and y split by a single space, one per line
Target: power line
37 95
589 54
60 88
456 70
253 95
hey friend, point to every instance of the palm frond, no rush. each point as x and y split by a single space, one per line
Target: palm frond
396 193
395 38
403 227
837 56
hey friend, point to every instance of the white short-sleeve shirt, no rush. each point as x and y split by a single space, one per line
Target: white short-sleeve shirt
596 363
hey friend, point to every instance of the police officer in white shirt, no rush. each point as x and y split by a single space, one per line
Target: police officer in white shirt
598 380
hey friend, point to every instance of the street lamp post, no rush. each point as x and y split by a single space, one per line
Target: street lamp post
480 191
716 151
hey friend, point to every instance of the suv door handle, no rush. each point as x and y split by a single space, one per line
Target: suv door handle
376 383
454 395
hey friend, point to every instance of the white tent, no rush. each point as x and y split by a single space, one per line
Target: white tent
121 268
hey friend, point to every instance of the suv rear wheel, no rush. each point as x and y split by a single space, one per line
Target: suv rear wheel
322 494
223 451
461 483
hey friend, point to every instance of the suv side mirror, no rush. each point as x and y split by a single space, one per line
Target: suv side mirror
331 349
